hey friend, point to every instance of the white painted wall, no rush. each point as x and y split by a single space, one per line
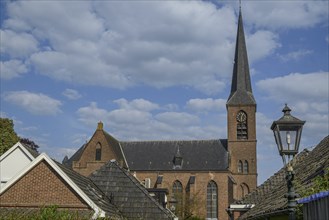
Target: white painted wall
13 162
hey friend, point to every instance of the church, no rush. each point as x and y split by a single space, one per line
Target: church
202 177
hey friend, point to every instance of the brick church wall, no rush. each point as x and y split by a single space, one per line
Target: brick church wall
87 164
40 187
199 188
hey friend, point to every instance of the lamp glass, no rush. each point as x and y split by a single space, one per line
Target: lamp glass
287 138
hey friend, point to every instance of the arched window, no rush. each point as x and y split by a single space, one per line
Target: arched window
177 187
239 166
244 190
212 198
177 190
242 128
245 167
98 153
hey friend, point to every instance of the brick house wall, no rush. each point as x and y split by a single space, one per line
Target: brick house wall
40 187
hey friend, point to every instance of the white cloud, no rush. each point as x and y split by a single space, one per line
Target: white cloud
122 44
263 43
286 14
78 69
206 105
35 103
72 94
295 55
17 45
177 118
310 87
307 95
12 69
56 20
91 114
128 123
129 116
138 104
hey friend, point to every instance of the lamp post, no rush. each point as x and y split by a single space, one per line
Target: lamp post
287 132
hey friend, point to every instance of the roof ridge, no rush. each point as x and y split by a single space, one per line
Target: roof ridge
192 140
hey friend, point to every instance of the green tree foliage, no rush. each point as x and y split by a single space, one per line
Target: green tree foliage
319 184
49 213
8 136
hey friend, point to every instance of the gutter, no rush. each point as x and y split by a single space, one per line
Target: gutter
268 214
239 208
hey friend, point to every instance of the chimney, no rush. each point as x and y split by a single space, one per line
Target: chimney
100 126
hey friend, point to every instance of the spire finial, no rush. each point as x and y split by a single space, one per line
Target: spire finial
240 5
100 125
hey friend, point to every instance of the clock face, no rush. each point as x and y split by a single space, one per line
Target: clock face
241 117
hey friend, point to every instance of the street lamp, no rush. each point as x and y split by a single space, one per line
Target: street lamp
287 132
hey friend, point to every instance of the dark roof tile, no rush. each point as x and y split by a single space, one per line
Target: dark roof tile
92 191
158 155
269 197
132 199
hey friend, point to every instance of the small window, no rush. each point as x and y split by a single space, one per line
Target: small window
245 167
98 154
240 166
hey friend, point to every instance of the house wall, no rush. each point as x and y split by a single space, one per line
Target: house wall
198 190
40 187
12 164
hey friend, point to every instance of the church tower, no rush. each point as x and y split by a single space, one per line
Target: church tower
241 121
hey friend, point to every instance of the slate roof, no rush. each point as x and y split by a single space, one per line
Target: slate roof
115 144
241 91
127 193
75 157
197 155
269 197
34 153
92 191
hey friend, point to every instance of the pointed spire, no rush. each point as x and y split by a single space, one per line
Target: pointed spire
241 91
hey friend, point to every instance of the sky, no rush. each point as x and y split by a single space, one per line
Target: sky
160 70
